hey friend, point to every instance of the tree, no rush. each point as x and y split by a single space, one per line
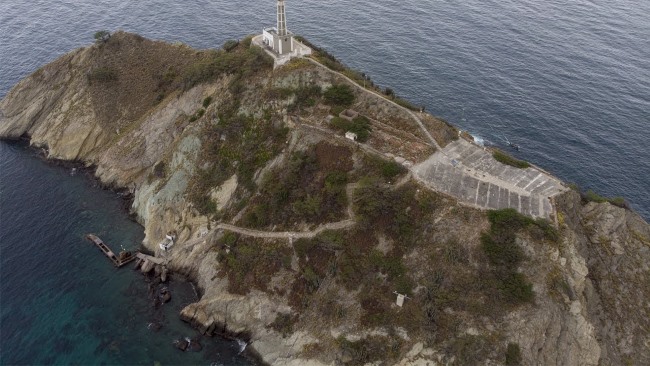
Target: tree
102 36
339 95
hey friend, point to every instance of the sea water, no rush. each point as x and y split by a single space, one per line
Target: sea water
567 81
61 300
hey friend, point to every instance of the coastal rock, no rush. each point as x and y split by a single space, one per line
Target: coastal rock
181 344
147 266
163 275
154 327
165 295
194 345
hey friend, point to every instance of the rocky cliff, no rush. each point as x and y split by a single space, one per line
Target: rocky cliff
298 237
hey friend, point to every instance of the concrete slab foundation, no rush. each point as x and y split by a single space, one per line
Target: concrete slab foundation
470 174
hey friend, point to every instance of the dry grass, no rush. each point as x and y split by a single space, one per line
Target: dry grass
142 70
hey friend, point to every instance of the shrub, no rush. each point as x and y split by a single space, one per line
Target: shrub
239 61
251 263
513 355
503 253
390 169
102 74
341 95
470 350
303 191
230 45
306 96
360 126
207 101
283 324
248 145
370 349
515 287
102 36
406 104
159 169
591 196
504 158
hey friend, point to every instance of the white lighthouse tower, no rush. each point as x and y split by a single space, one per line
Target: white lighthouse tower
279 38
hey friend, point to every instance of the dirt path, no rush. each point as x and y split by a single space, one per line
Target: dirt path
349 190
413 115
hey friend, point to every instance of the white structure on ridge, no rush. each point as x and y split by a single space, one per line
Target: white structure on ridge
278 38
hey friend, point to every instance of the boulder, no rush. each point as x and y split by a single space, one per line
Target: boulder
165 295
194 345
154 327
163 275
181 344
147 266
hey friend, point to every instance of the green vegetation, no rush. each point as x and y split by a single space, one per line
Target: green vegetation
207 101
102 36
198 114
591 196
305 96
237 145
159 169
391 169
513 355
102 74
303 191
504 158
557 286
503 253
470 350
325 58
339 95
316 258
240 60
230 45
359 125
283 324
371 349
385 169
396 211
250 263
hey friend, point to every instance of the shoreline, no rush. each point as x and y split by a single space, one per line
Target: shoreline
127 199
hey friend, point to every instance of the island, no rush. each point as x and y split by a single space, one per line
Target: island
328 221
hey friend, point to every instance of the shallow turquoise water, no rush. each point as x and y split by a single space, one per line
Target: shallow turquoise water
61 300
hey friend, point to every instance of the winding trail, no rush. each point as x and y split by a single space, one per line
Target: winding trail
413 115
470 174
339 225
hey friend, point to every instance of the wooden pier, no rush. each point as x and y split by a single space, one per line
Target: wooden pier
118 261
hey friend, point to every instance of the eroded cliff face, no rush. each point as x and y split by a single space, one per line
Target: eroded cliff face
200 138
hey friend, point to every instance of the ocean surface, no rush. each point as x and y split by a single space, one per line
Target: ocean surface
61 301
569 81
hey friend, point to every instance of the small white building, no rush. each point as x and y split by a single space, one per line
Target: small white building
278 38
279 43
351 136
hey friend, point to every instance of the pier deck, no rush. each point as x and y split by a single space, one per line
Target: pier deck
117 261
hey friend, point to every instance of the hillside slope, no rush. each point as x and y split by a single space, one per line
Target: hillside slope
298 237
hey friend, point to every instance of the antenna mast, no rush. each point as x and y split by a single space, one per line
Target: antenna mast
282 19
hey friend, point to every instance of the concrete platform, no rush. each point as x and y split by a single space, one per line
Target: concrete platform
299 50
470 174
